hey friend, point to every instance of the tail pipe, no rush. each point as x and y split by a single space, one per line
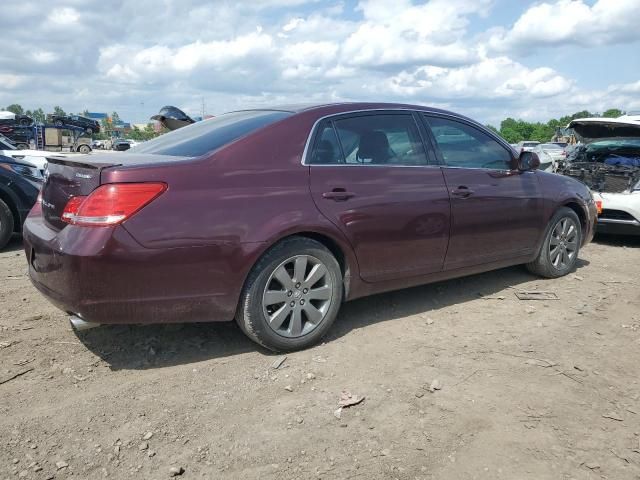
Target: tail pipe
81 325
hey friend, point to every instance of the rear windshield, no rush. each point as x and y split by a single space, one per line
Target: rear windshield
208 135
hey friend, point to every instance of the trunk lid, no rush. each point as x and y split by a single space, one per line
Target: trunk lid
66 178
79 176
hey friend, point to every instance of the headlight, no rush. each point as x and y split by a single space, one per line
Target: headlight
22 169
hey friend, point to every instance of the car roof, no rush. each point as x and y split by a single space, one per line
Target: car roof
353 106
334 108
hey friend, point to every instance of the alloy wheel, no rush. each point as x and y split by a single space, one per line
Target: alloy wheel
297 296
563 245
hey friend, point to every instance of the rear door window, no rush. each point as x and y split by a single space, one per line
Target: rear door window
209 135
376 139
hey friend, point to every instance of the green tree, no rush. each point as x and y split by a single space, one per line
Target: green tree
115 118
38 115
15 108
613 113
59 111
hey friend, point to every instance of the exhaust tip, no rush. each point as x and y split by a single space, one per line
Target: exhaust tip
80 325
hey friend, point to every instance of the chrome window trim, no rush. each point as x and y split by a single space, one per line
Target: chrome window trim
305 152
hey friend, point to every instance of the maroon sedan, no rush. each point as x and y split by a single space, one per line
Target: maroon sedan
274 217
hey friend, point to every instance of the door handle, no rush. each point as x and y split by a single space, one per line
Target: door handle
338 194
462 192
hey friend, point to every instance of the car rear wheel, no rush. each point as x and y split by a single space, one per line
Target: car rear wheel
6 224
89 130
58 123
292 295
559 252
84 149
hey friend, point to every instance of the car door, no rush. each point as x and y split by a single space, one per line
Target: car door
371 177
497 211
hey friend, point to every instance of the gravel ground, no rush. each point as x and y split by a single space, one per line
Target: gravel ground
461 379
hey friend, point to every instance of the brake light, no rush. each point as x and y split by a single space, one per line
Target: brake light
111 204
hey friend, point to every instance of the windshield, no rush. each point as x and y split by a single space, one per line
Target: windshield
550 146
208 135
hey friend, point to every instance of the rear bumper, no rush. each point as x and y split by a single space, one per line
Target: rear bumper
104 276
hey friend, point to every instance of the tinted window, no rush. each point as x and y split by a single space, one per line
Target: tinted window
381 139
208 135
462 145
326 150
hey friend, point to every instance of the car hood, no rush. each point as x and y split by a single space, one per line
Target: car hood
593 129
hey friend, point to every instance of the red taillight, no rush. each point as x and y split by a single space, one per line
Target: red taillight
111 204
71 209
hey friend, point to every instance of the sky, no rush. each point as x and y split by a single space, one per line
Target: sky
488 59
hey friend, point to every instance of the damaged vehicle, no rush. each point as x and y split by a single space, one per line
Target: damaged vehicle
608 162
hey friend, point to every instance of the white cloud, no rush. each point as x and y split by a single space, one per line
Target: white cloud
491 78
10 81
398 33
64 17
44 56
450 53
571 22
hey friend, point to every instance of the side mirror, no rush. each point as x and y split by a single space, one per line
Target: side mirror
528 161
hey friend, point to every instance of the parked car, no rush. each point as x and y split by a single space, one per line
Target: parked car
20 184
34 157
98 144
21 137
549 154
90 126
276 216
11 119
121 144
608 162
526 146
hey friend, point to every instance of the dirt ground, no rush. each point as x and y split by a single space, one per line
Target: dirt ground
528 389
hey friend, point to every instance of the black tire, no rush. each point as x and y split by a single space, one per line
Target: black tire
544 264
6 224
251 316
24 122
58 123
84 149
22 146
89 130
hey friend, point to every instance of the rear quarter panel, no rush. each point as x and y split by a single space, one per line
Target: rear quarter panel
252 191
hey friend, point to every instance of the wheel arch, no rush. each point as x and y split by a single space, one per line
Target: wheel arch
340 249
579 210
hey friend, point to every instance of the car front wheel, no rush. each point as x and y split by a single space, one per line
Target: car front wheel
292 295
559 252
